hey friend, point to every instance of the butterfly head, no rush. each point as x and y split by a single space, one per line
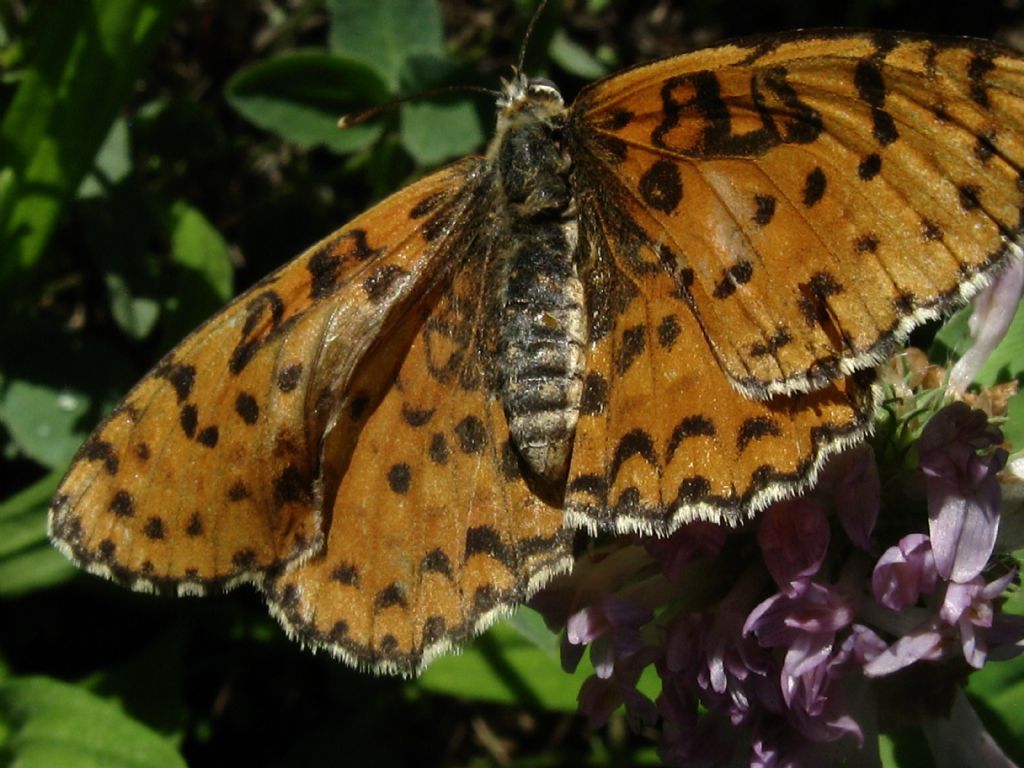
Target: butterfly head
538 96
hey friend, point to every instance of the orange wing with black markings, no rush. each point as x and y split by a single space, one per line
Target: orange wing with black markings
819 194
211 469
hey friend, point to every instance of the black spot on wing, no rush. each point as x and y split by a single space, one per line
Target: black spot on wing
634 341
661 186
288 377
472 434
738 274
389 597
346 574
867 243
188 418
324 268
436 561
930 231
238 491
595 394
247 408
980 65
634 443
483 539
123 504
181 377
764 210
970 199
869 167
381 283
291 486
101 450
416 417
756 428
691 426
438 450
208 437
985 146
781 338
814 187
427 205
668 331
154 529
399 478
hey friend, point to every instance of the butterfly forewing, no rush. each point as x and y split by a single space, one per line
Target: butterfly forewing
817 195
210 469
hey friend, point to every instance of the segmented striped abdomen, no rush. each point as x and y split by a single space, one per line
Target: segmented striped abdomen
543 336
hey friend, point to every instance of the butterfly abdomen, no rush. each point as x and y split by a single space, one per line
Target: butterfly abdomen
542 348
543 321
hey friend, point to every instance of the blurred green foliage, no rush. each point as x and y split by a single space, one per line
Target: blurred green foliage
154 157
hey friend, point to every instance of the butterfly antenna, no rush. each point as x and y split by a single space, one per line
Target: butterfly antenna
529 31
358 118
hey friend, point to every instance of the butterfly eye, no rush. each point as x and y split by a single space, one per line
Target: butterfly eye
542 89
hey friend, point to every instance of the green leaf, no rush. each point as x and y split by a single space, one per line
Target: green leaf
42 420
1004 364
87 56
197 246
1013 427
300 96
505 667
952 338
205 280
27 561
49 723
1007 360
574 58
997 693
433 132
437 128
383 34
135 315
113 162
47 413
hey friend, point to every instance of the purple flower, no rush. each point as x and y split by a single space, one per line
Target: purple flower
968 608
856 492
611 627
963 619
694 540
599 697
905 572
793 537
962 490
806 621
994 309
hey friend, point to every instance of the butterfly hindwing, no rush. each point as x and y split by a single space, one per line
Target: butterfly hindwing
817 195
434 531
663 437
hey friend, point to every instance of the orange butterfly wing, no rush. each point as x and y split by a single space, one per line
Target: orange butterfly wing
771 218
816 196
434 531
663 437
211 470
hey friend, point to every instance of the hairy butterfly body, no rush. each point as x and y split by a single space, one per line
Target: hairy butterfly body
659 304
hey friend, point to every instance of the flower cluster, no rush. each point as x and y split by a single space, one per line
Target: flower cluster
772 642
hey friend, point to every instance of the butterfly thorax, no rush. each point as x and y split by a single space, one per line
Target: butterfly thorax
543 328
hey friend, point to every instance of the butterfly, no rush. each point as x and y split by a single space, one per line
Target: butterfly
662 303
